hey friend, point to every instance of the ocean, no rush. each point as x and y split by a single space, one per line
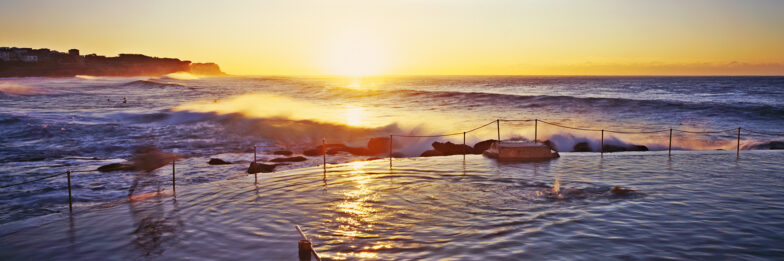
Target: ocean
703 202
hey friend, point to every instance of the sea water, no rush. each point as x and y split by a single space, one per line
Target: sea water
50 125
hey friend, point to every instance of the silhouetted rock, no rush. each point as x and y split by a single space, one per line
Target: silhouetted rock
773 145
283 152
312 152
378 145
550 144
260 167
482 146
398 155
117 167
581 147
356 151
616 148
216 161
449 148
617 190
431 153
613 148
289 159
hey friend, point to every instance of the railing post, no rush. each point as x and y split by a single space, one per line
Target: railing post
324 152
737 152
174 188
70 202
390 151
669 147
536 129
464 147
255 165
602 150
498 127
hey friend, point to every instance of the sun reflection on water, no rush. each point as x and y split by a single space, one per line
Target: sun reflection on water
357 216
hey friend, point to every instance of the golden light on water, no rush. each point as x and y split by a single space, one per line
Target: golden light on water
354 116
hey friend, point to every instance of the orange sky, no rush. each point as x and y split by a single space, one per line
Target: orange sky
353 37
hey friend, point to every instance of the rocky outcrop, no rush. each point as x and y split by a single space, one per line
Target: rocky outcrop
582 147
117 167
449 148
282 152
289 159
378 145
205 69
482 146
216 161
260 168
431 153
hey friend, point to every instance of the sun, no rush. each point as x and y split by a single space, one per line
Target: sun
355 55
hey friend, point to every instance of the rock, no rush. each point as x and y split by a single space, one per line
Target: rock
449 148
117 167
378 145
216 161
289 159
431 153
398 155
638 148
482 146
260 167
283 152
617 190
772 145
616 148
356 151
581 147
312 152
613 148
551 145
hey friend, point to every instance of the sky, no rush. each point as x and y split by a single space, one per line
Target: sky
425 37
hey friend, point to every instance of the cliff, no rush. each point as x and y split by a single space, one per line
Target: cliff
28 62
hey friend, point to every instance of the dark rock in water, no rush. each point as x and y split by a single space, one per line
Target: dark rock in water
260 167
616 148
378 145
550 144
613 148
581 147
312 152
773 145
117 167
351 150
431 153
617 190
398 155
449 148
638 148
216 161
482 146
283 152
289 159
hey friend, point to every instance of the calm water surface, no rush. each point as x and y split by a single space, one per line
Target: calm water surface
695 205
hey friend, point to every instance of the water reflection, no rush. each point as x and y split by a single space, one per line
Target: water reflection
357 213
155 228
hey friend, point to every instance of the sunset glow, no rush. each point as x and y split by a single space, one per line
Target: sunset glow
357 38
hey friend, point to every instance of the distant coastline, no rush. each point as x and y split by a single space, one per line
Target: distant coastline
29 62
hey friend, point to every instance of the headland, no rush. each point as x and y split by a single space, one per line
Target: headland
29 62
